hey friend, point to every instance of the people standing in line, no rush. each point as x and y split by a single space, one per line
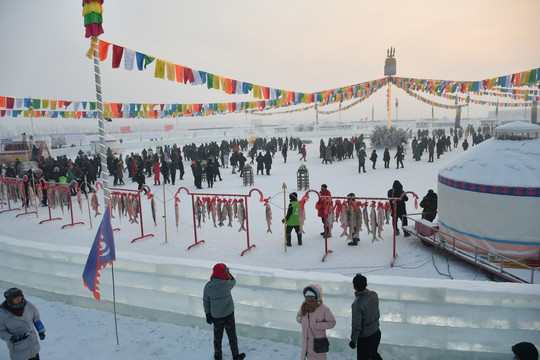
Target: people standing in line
328 154
373 158
525 351
209 170
284 153
396 192
267 162
431 149
219 309
18 319
304 153
156 170
292 219
365 334
165 172
140 179
323 205
399 156
315 318
172 170
362 160
196 169
260 163
217 172
386 158
120 171
429 206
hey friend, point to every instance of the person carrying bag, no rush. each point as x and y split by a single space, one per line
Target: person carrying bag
315 318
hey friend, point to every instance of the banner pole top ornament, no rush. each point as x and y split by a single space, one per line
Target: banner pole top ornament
93 20
390 62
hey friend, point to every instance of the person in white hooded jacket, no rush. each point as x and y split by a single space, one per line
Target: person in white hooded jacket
18 319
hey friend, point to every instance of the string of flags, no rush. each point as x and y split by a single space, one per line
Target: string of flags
466 100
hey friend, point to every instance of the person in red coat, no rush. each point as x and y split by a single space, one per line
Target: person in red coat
323 206
304 153
156 170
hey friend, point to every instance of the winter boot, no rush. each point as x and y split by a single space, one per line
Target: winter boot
289 240
240 356
300 239
354 242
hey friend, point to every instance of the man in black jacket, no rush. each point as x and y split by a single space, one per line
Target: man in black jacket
365 334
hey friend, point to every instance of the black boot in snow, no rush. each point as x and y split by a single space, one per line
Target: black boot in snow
299 239
240 356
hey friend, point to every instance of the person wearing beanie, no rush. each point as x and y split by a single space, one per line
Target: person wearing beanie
292 219
315 318
18 319
219 309
525 351
365 334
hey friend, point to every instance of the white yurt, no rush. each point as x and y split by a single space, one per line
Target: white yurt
490 195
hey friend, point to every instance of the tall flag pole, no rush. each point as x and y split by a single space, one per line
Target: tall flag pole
93 20
389 70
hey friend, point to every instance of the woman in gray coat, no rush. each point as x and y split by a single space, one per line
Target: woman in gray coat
18 318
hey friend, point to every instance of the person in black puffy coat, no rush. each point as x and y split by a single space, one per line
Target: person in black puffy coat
395 192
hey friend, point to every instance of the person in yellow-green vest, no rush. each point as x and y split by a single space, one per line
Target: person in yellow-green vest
292 219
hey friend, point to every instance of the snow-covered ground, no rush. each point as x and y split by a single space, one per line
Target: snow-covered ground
90 333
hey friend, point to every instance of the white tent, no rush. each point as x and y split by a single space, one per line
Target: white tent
490 195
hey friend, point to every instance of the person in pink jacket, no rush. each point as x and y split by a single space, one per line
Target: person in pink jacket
315 318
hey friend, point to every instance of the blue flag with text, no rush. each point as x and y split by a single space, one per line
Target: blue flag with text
101 254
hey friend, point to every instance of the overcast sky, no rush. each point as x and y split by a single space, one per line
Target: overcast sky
297 45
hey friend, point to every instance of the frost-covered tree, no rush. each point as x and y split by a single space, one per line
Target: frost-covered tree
384 137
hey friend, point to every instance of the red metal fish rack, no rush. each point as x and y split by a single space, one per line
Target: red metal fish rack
244 197
6 180
393 202
65 187
137 193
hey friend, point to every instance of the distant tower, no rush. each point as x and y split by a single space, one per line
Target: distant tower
390 63
389 70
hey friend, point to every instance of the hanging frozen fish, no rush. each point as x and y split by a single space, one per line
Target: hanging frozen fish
198 212
60 198
153 206
301 218
220 211
366 217
387 212
135 210
229 213
358 220
268 212
380 220
79 199
343 219
330 220
235 208
351 220
213 208
241 215
373 221
176 213
39 194
95 205
31 195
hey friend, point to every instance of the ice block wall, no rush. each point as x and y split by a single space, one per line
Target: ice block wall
420 318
